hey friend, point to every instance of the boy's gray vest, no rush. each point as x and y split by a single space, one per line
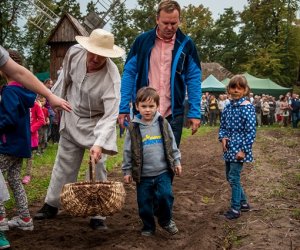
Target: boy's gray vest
137 147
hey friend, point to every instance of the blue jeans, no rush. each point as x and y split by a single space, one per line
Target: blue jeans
176 125
295 118
155 198
233 176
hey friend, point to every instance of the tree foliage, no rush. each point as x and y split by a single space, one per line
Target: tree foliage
262 39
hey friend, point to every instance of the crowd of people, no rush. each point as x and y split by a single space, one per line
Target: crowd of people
269 110
161 68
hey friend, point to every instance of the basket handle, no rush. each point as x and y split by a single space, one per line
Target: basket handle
92 168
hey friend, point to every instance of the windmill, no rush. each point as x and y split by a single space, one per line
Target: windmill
40 14
94 20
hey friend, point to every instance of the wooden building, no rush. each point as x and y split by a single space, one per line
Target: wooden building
61 39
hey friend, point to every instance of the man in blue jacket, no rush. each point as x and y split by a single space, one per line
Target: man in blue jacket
167 60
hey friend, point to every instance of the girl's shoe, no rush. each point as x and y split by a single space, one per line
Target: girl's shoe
4 243
245 207
231 215
3 224
18 222
26 179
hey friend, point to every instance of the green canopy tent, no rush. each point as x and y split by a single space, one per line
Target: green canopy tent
261 86
212 84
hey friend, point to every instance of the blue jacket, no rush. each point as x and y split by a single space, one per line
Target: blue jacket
185 74
15 121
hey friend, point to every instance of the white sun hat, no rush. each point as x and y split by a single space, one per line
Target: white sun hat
100 42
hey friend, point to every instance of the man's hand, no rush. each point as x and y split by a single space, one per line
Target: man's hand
194 124
225 144
122 118
96 153
127 179
58 103
178 170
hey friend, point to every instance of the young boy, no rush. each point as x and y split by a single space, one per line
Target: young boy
15 145
151 158
237 134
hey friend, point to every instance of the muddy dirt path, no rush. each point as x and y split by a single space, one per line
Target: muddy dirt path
201 197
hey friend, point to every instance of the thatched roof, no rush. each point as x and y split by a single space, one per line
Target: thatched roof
215 69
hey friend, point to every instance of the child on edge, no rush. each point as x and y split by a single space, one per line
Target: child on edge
4 196
151 158
15 145
237 133
37 120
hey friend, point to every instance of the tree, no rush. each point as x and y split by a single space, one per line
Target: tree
223 40
68 6
268 31
123 30
144 17
197 22
10 32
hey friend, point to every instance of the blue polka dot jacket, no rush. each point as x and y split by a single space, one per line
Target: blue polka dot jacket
238 124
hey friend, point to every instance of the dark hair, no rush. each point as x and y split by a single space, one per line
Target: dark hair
16 56
168 6
241 81
47 81
146 94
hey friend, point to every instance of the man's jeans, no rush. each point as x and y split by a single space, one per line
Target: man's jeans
176 125
295 118
155 197
233 176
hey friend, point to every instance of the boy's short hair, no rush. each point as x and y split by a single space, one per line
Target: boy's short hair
168 6
16 56
241 81
145 94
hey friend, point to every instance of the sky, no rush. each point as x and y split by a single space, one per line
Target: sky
215 6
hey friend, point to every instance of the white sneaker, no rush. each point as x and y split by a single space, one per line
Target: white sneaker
19 223
4 224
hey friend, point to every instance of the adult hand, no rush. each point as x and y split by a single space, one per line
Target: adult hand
224 144
178 170
96 153
58 103
127 179
194 124
122 118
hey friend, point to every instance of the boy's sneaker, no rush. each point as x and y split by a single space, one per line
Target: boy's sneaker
245 207
26 179
20 223
231 215
171 228
147 233
4 243
3 224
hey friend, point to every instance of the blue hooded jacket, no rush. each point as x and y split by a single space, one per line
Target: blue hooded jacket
15 137
185 74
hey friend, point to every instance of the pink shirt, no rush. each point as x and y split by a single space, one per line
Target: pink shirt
160 72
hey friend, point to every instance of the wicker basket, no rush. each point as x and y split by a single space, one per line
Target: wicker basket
93 197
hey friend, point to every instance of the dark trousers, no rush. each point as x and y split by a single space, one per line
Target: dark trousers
176 125
155 198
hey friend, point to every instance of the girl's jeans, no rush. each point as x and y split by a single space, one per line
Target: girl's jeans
155 198
233 176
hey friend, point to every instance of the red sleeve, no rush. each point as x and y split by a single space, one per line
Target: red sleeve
37 119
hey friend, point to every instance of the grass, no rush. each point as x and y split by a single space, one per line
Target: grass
42 167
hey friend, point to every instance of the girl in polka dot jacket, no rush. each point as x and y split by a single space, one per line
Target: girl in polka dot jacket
237 133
